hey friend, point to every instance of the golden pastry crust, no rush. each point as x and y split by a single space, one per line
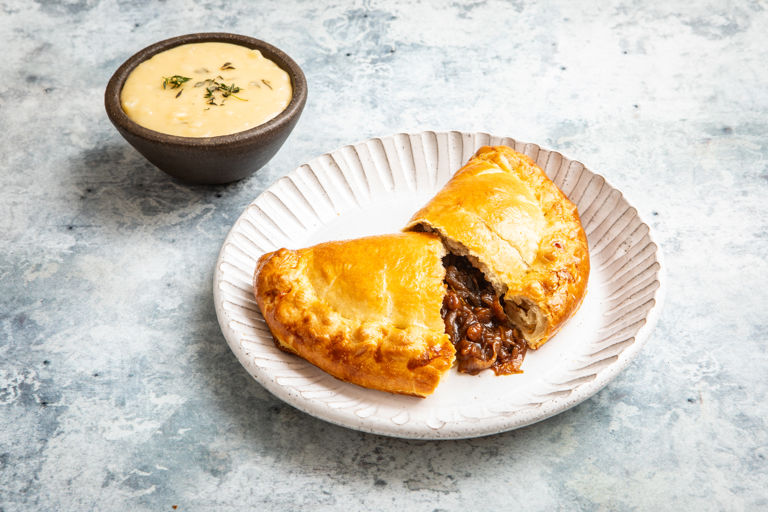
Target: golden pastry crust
512 222
367 311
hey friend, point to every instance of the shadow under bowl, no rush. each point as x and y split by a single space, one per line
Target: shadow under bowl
209 160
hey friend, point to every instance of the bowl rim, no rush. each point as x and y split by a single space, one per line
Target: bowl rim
115 85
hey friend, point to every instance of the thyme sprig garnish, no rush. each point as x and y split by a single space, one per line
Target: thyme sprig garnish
213 86
175 81
229 90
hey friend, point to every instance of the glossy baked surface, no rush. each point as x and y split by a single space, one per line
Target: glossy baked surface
503 211
365 310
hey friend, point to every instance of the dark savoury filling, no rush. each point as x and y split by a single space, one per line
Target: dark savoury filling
476 322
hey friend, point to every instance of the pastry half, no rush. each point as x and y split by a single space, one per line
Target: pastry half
367 311
509 220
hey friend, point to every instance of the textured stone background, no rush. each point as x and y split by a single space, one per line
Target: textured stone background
117 390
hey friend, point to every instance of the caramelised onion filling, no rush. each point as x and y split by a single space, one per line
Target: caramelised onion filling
476 323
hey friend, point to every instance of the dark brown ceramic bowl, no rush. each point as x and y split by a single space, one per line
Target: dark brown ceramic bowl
209 160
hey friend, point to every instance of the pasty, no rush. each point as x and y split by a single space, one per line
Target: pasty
500 214
367 311
492 266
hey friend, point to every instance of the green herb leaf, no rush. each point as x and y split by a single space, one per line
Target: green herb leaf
212 87
174 82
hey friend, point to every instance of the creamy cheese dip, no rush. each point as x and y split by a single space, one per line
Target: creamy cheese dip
205 89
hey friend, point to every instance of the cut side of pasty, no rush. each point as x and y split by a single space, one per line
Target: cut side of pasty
505 218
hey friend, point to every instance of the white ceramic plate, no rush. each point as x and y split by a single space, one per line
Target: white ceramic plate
374 187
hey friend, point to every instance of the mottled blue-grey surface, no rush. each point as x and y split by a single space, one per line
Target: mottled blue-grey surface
117 390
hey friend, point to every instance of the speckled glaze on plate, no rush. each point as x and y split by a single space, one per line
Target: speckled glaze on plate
374 187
